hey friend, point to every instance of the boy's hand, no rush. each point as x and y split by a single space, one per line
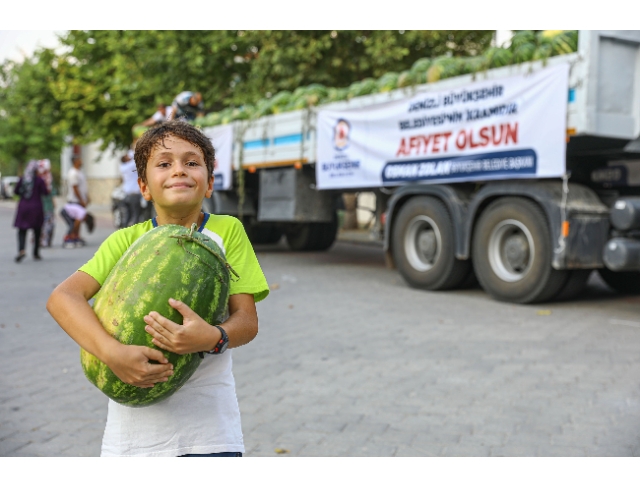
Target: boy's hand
194 335
132 366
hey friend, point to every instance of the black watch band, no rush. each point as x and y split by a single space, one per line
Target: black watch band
222 344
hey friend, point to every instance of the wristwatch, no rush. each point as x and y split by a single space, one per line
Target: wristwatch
222 344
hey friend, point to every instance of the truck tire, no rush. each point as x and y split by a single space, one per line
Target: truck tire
423 246
626 282
512 253
575 284
312 236
264 234
324 234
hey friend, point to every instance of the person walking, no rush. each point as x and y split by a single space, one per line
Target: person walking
48 205
75 211
30 214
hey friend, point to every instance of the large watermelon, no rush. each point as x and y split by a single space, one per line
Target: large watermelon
169 261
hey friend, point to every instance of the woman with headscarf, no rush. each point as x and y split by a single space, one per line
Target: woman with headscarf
30 214
44 171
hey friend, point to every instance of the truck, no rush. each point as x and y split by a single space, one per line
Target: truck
523 178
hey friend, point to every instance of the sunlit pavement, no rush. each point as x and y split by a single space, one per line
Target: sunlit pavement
349 361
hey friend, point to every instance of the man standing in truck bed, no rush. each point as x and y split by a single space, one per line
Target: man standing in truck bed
187 104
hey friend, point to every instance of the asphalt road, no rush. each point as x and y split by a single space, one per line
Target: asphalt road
350 361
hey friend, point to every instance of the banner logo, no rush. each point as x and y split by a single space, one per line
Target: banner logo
341 134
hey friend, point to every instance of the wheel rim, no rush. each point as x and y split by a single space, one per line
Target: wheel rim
511 250
422 243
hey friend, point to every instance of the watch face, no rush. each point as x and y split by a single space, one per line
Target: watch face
223 347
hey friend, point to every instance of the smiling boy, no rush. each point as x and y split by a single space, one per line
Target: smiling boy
175 171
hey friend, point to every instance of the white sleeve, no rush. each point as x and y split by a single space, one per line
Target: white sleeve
157 117
73 178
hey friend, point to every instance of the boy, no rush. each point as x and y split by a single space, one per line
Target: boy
175 169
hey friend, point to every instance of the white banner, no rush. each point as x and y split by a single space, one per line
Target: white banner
222 139
496 129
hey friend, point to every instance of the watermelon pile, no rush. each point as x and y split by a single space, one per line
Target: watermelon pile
526 45
169 261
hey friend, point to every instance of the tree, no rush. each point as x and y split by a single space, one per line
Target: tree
110 80
28 113
106 81
285 60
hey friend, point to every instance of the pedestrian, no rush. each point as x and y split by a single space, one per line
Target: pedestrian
75 210
175 166
48 204
30 214
133 196
187 105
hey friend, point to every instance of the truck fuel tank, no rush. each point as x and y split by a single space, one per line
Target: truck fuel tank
625 214
622 254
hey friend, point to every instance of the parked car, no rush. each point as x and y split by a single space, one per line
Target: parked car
7 184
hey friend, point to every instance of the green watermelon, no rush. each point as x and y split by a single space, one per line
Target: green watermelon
387 82
169 261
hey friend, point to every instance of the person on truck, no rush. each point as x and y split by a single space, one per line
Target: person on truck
188 105
161 115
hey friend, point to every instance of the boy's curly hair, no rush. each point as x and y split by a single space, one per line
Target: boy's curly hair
178 128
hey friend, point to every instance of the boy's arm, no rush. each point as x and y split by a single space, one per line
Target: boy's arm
196 335
68 304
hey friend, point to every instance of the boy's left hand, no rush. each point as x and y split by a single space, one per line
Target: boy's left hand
194 335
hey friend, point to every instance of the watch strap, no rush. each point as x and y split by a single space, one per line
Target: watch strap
221 346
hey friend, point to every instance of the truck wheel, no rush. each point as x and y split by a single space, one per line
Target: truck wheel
626 282
120 216
323 235
423 246
298 236
264 234
575 284
512 253
312 236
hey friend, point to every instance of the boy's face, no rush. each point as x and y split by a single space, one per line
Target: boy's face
176 176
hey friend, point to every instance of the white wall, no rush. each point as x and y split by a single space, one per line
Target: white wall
96 164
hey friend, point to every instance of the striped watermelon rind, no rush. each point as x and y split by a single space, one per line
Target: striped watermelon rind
169 261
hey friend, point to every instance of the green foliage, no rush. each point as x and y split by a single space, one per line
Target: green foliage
525 46
28 112
106 81
110 80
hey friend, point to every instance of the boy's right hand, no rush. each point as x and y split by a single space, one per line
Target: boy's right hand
131 364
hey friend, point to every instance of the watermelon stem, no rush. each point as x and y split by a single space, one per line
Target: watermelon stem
191 238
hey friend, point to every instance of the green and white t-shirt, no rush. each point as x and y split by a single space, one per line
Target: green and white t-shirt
203 416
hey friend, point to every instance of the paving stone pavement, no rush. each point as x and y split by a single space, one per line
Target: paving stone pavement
350 361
